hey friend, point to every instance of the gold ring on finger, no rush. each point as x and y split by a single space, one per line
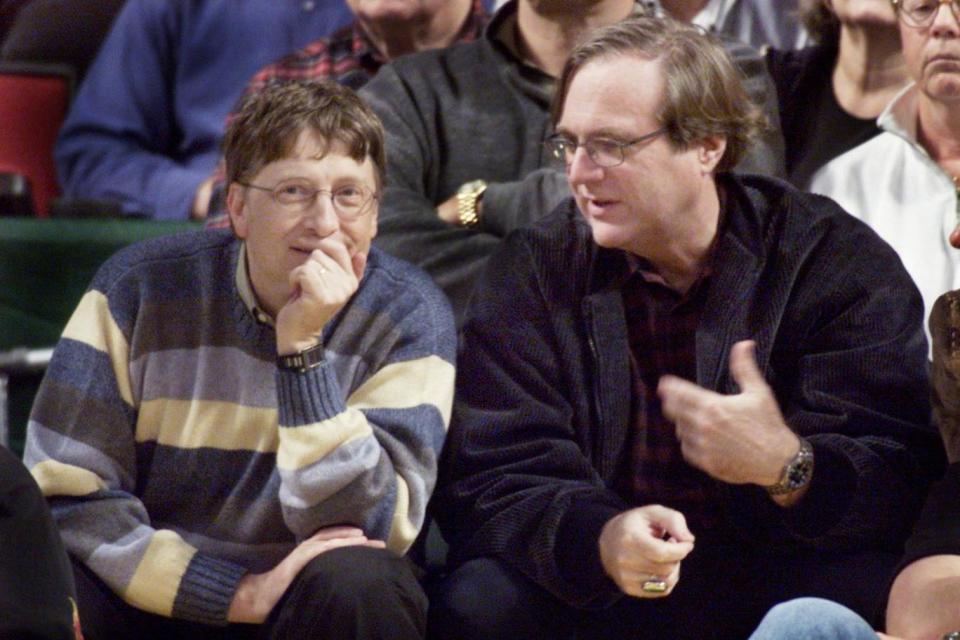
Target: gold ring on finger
654 585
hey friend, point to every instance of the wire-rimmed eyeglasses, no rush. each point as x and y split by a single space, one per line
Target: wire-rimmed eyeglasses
351 201
604 152
921 13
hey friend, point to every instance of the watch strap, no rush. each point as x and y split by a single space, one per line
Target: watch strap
301 362
797 473
467 197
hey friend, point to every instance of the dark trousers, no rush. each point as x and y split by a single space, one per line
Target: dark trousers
349 593
720 596
35 581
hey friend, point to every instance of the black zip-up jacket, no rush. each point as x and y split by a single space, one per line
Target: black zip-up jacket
542 412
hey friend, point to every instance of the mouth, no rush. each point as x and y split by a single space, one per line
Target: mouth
944 59
597 207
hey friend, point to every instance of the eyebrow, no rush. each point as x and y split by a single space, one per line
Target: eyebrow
600 133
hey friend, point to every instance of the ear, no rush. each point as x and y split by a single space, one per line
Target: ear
710 151
236 207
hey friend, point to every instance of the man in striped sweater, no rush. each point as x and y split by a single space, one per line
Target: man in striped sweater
243 428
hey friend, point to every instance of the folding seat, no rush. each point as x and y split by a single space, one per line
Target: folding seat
33 104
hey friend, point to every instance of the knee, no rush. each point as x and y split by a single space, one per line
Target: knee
345 578
812 618
483 598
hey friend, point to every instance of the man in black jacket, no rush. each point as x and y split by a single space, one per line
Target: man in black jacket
679 367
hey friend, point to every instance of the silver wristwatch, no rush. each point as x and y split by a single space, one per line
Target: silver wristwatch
797 473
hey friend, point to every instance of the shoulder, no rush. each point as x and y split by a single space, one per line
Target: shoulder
179 260
879 150
429 70
779 220
403 292
850 176
555 255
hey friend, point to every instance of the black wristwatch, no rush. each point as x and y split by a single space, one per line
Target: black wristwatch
797 473
302 362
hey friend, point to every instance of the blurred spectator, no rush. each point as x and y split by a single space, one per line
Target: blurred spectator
759 23
382 31
903 182
66 32
8 14
145 127
36 583
825 114
466 128
924 596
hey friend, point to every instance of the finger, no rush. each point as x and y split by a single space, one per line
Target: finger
337 251
350 542
681 399
671 522
637 568
339 531
743 367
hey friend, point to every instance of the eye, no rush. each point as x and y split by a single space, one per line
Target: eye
920 8
351 195
606 146
562 147
294 191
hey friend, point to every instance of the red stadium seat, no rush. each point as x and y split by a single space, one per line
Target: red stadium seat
33 103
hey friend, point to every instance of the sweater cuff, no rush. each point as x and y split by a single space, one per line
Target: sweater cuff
578 551
176 189
308 397
827 501
206 590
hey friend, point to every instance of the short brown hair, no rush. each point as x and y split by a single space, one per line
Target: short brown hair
268 123
704 94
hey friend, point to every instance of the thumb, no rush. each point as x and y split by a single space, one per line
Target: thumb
743 366
955 237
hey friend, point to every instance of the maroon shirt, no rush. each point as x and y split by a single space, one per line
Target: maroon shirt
662 325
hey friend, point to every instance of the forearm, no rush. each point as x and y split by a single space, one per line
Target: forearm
374 458
143 181
511 205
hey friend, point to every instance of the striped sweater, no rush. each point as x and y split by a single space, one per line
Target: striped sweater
177 457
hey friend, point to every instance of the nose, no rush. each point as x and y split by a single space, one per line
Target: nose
320 215
945 21
582 169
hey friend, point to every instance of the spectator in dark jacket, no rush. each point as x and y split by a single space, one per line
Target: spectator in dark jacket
679 367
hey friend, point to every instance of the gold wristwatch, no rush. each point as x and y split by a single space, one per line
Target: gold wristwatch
467 197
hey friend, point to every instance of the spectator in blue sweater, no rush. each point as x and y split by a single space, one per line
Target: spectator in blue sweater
244 430
145 128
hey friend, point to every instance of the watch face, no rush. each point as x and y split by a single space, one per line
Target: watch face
800 473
